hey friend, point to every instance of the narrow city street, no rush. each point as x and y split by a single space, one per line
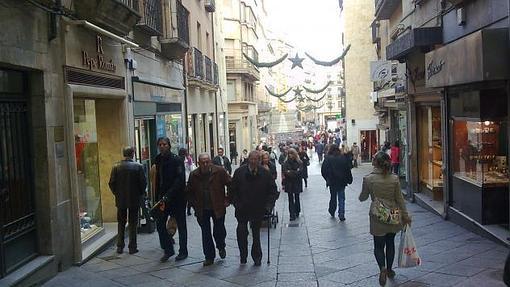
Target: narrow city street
315 250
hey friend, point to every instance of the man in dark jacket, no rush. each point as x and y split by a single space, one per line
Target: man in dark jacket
253 193
336 170
170 184
127 183
221 160
206 192
319 149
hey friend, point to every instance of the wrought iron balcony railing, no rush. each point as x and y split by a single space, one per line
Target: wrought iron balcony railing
182 22
175 39
210 5
151 17
198 63
208 69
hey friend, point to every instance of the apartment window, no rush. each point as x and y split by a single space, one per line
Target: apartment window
199 36
231 90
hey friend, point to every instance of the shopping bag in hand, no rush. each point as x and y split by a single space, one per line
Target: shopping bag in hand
407 253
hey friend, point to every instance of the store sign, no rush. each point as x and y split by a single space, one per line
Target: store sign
97 60
156 94
447 66
387 74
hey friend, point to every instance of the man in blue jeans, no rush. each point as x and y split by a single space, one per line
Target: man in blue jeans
336 170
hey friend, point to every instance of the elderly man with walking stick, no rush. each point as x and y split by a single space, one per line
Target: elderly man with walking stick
253 193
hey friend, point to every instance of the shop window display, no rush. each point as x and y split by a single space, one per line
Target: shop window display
480 155
87 167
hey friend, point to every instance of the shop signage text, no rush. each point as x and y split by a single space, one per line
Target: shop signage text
98 60
434 68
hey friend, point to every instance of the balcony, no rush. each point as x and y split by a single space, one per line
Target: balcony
208 70
151 17
175 39
210 5
263 107
117 16
385 8
418 38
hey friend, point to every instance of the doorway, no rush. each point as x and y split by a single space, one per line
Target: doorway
368 144
18 238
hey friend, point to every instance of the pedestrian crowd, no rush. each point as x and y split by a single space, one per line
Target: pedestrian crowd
178 186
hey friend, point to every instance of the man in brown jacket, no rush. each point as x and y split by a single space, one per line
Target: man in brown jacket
206 192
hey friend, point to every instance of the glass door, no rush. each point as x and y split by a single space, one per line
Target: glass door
143 146
87 168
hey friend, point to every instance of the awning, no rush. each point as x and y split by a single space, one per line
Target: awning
416 38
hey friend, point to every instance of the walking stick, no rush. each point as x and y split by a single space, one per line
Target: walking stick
268 239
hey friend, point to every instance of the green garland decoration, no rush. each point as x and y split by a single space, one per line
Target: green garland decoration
317 91
265 64
287 101
277 95
332 62
316 100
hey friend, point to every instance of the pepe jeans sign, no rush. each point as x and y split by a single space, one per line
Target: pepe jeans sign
98 61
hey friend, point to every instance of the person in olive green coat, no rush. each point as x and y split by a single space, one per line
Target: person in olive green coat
384 186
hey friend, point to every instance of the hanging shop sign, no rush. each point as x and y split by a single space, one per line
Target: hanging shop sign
485 49
387 74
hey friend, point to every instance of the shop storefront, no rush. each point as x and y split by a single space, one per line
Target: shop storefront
430 150
477 112
157 111
96 98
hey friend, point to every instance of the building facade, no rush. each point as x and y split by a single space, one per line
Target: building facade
241 25
80 80
456 148
361 122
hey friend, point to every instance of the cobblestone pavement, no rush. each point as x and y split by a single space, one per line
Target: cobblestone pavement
315 250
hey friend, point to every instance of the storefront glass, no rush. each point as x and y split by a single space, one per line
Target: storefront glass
170 125
87 167
480 154
430 161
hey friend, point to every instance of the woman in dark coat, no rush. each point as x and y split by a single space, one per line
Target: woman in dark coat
303 156
292 173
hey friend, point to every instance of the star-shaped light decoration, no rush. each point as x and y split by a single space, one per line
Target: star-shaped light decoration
296 61
297 92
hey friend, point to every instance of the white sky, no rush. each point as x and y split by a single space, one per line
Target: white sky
313 26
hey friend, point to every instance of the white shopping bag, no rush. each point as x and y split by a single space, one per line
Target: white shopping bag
407 253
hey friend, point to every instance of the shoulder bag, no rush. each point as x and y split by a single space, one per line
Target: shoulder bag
383 213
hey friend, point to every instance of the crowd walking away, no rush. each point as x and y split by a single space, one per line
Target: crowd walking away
251 188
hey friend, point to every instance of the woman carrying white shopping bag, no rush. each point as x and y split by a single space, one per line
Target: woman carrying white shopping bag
388 213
